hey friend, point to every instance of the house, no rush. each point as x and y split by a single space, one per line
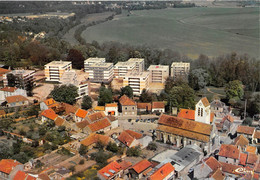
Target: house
246 131
99 108
11 91
140 169
21 175
81 126
227 122
129 138
229 154
242 142
158 107
114 121
181 132
111 109
69 110
127 106
98 126
80 115
59 121
92 139
187 114
18 100
252 159
8 168
110 171
144 107
95 116
232 171
202 111
218 107
164 172
3 72
48 114
48 103
251 149
256 137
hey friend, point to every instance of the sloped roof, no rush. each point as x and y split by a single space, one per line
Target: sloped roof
230 151
187 114
185 124
126 138
82 124
50 114
252 158
7 165
20 175
229 118
96 126
125 164
251 149
49 101
69 108
96 116
212 115
110 169
158 105
218 175
111 105
134 134
245 130
99 108
4 71
205 101
59 121
94 138
162 172
212 163
81 113
241 140
126 101
141 166
8 89
257 134
242 159
17 98
2 112
257 168
146 106
217 103
232 169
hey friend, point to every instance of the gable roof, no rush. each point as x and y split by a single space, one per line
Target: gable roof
146 106
69 108
218 175
82 124
94 138
111 105
96 116
212 115
99 108
4 71
229 118
81 113
252 158
141 166
241 141
134 134
232 169
98 125
9 89
49 101
245 130
109 170
251 149
7 165
187 114
257 135
50 114
242 159
158 105
59 121
17 98
126 101
205 101
230 151
20 175
125 164
212 163
162 172
126 138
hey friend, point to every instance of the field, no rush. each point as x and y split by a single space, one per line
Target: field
191 31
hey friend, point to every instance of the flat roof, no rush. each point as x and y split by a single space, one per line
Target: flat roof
158 67
125 63
135 60
137 74
101 64
180 63
95 59
22 71
58 63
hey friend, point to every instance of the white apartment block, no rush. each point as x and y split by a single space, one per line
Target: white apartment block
101 72
137 81
122 68
139 62
55 69
180 70
91 61
158 73
82 89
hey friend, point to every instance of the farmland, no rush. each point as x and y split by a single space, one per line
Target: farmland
191 31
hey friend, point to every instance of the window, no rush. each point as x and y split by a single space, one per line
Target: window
201 112
125 108
198 111
133 108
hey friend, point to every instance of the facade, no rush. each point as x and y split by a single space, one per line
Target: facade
11 91
21 78
158 107
111 109
229 154
55 69
18 100
139 64
138 170
202 111
137 81
158 73
180 70
83 89
100 72
127 106
122 68
91 61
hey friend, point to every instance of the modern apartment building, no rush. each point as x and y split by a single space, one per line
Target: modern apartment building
101 72
139 63
19 78
180 70
91 61
122 68
137 81
55 69
158 73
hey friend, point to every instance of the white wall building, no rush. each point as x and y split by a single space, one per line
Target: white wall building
101 72
91 61
139 63
158 73
11 91
55 69
202 111
180 70
122 68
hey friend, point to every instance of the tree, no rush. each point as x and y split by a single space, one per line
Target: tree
86 103
145 96
112 147
152 146
134 151
182 96
169 83
33 111
127 90
82 150
254 105
65 93
198 78
11 80
76 58
234 89
105 96
29 88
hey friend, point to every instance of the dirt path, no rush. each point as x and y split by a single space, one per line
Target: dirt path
208 89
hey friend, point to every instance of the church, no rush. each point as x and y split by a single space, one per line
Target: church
194 127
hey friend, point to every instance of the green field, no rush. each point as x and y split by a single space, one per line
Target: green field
191 31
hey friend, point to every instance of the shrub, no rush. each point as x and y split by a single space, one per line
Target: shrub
82 161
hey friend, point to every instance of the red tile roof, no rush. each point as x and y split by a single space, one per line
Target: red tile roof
257 168
251 149
218 175
106 171
233 169
2 112
3 71
241 141
242 159
205 101
111 105
126 138
59 121
20 175
158 105
125 164
162 172
99 125
17 98
141 166
49 101
7 165
50 114
229 118
126 101
8 89
245 130
134 134
187 114
212 163
252 158
94 138
257 135
212 115
69 108
230 151
82 124
81 113
146 106
96 116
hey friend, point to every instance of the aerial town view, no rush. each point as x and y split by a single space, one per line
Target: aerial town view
122 90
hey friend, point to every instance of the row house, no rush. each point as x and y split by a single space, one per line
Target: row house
151 107
246 131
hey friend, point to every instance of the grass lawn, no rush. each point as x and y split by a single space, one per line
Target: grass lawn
211 92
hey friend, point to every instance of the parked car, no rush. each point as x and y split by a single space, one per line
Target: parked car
136 120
